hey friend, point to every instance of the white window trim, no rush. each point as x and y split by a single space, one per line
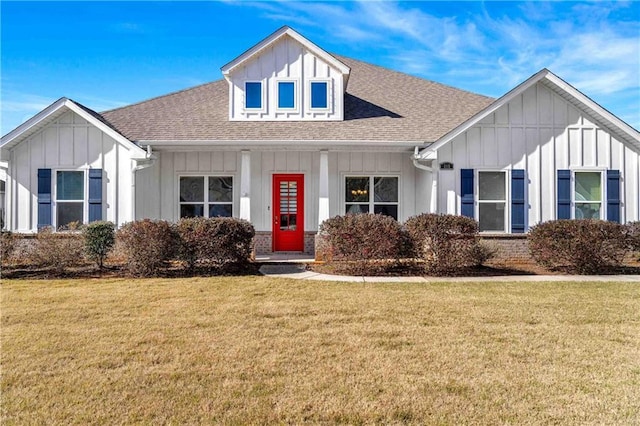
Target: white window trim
507 200
603 187
263 97
329 107
371 201
296 94
206 192
54 196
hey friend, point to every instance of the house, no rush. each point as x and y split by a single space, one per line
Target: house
294 135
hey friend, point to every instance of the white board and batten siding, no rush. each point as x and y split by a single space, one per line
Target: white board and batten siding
69 143
540 132
285 60
157 187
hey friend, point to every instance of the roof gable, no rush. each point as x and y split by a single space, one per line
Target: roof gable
274 38
396 108
54 111
564 90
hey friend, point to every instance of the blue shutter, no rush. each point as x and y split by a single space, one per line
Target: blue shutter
95 194
517 201
564 195
44 198
613 195
466 192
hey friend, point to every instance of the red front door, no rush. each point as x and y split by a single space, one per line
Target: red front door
288 212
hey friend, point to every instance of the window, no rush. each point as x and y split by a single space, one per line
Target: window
587 195
253 95
286 94
492 201
319 94
70 197
380 198
208 196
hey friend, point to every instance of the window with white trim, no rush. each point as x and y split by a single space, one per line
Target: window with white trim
253 95
372 194
286 95
206 196
587 195
492 201
319 95
70 197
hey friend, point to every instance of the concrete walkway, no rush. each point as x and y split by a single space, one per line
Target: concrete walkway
298 271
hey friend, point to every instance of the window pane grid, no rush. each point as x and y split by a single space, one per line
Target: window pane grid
587 195
70 197
363 197
216 201
492 201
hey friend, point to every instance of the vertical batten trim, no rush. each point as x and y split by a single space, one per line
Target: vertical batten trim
245 185
323 195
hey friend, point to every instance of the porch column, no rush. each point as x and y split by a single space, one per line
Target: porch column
245 185
323 200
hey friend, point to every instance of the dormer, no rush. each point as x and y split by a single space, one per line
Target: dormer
286 77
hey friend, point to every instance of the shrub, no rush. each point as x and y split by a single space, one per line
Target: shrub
7 246
99 238
583 246
632 231
58 250
446 242
147 245
365 240
217 240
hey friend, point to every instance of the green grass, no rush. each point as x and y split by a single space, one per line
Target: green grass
262 350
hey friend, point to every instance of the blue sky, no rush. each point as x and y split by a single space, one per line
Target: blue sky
109 54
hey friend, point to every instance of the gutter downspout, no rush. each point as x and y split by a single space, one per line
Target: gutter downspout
433 205
416 158
148 161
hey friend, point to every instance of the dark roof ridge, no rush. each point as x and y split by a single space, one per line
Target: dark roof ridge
155 98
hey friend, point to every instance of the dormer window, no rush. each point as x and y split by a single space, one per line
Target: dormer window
286 95
253 95
319 95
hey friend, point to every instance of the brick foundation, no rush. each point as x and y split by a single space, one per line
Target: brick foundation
263 242
511 249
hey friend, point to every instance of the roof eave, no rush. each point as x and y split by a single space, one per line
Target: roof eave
41 119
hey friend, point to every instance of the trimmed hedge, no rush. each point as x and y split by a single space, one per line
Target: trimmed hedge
57 250
99 238
632 231
446 243
216 240
364 240
147 245
583 246
7 246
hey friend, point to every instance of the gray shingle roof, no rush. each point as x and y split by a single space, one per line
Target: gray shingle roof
380 105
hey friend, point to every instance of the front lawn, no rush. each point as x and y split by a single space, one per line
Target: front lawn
262 350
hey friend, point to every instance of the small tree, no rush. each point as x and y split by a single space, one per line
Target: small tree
99 238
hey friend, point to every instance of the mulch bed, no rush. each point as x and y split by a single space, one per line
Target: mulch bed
120 271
